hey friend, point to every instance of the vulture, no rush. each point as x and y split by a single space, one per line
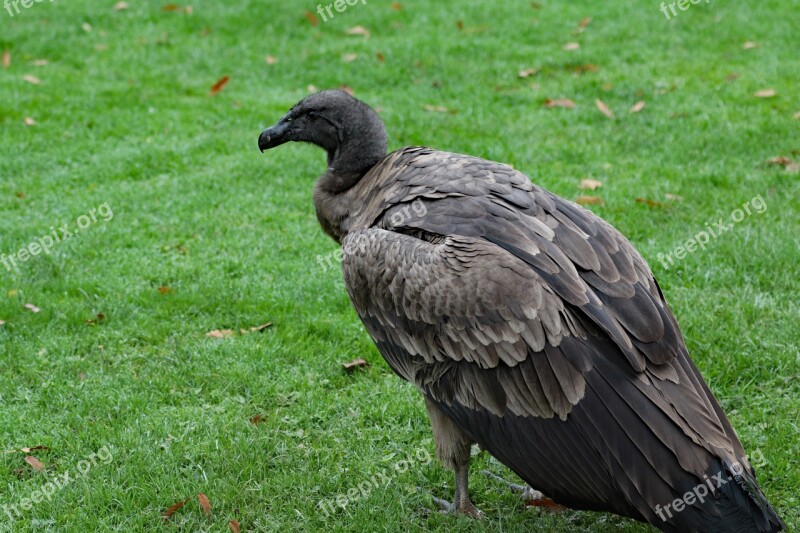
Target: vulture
531 327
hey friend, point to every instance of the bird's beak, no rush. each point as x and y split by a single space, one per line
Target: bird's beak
274 136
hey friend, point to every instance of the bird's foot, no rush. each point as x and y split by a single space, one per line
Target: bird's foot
466 508
530 496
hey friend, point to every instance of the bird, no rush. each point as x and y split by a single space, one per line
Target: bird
531 327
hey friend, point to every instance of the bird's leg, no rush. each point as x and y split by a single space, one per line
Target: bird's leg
453 450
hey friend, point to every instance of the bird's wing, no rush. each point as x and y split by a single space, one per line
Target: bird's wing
537 327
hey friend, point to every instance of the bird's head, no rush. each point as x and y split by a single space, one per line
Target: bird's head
329 119
348 129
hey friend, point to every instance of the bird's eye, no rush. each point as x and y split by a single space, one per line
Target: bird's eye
312 115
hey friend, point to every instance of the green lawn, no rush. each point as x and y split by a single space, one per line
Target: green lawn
197 231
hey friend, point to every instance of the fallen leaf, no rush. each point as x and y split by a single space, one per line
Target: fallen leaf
40 63
270 60
311 18
780 160
32 308
585 21
589 200
572 46
527 72
164 289
648 202
262 327
347 89
2 322
100 317
590 184
674 197
358 30
205 504
355 363
86 27
397 6
256 419
221 83
349 58
35 463
435 108
29 121
171 511
559 102
235 527
638 106
379 56
27 450
20 194
31 79
547 504
6 59
604 108
766 93
749 45
170 7
589 67
460 24
796 116
219 333
119 6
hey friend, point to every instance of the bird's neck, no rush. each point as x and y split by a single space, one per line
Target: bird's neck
335 194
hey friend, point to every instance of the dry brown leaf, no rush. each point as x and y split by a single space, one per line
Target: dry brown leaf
527 72
349 58
733 76
31 79
170 7
435 108
749 45
35 463
590 184
6 59
648 202
119 6
27 450
355 363
96 320
559 102
164 289
460 24
589 67
766 93
358 30
397 6
780 160
379 56
205 504
219 333
311 18
546 504
638 106
221 83
29 121
32 308
235 527
270 60
604 108
585 21
572 46
346 88
262 327
171 511
589 200
20 194
256 419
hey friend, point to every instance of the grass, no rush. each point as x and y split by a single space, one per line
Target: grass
124 117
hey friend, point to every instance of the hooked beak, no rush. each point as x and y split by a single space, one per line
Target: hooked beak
274 136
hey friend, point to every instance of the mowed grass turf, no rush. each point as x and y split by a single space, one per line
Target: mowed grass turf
208 234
